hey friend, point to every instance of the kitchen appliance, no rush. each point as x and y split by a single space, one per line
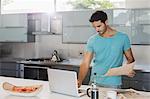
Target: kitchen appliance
55 57
39 59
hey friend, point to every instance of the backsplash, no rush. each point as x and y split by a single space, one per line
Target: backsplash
5 50
17 50
47 43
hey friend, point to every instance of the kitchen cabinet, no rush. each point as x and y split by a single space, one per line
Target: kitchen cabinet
141 81
14 20
134 22
76 18
36 73
142 16
141 27
70 34
9 69
122 17
14 28
13 34
122 20
75 23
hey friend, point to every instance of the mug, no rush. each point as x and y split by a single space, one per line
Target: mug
94 93
111 95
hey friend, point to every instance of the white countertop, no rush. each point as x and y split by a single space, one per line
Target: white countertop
44 94
76 62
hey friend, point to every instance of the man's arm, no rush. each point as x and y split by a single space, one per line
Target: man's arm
129 56
130 59
84 67
126 69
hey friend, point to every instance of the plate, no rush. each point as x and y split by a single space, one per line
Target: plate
22 90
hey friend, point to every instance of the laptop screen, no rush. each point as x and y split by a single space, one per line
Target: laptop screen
63 81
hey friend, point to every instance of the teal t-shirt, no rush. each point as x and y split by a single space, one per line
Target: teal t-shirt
108 53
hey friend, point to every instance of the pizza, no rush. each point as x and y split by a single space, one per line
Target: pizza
21 89
25 89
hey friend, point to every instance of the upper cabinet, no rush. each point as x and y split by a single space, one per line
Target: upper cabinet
80 18
141 27
76 25
13 35
14 28
122 20
76 18
134 22
122 17
14 20
142 16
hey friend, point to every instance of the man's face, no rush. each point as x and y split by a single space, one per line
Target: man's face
99 26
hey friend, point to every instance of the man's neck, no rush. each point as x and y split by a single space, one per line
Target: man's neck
109 32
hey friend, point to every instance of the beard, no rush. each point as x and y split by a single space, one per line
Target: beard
102 31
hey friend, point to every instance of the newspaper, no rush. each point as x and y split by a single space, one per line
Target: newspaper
122 70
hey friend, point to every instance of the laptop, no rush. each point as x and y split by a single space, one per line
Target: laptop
64 82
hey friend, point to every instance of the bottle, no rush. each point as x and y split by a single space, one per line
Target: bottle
94 90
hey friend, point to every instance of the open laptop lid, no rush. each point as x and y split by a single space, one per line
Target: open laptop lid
63 81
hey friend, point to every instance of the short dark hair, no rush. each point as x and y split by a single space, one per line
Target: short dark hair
98 15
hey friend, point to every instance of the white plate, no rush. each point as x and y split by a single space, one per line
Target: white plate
23 93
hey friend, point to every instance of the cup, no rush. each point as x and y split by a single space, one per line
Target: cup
111 95
93 93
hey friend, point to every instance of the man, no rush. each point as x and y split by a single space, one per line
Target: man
105 50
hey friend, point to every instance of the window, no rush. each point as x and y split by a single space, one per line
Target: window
26 6
68 5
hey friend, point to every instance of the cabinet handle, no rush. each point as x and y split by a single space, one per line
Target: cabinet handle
36 67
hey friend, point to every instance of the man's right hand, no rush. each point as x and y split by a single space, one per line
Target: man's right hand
79 83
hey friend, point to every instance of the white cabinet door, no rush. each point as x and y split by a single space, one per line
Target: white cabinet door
1 21
14 20
77 34
13 34
76 18
77 23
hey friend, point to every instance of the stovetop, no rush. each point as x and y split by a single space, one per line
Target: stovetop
41 59
38 59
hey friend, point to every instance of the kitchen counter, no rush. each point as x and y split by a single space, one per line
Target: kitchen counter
45 93
70 62
74 62
11 59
